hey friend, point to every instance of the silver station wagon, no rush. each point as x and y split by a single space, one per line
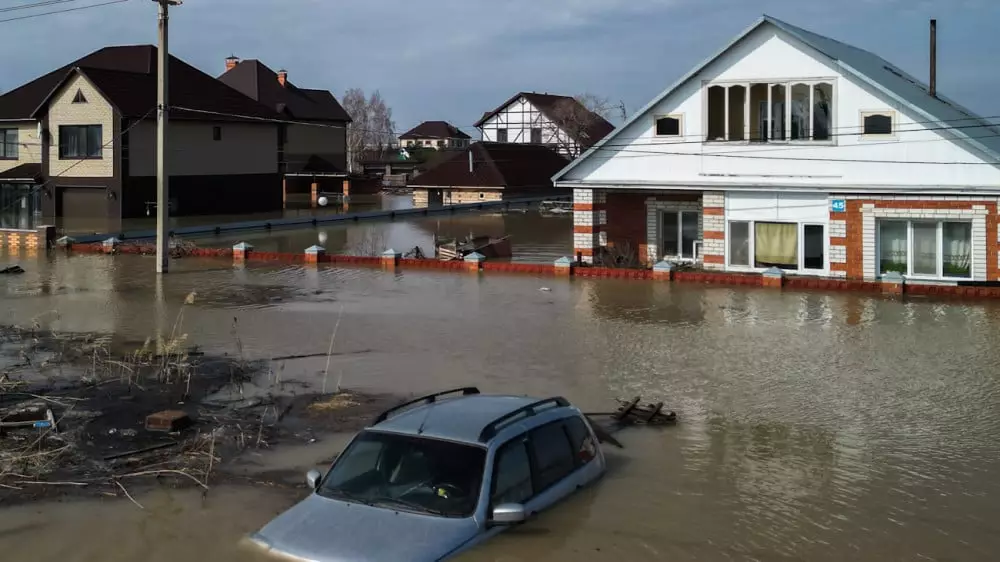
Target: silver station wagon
438 475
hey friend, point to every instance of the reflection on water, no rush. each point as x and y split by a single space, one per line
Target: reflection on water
812 426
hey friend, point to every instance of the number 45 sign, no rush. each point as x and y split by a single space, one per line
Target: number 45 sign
838 206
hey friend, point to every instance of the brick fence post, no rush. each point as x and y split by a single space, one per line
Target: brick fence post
564 266
110 245
241 252
46 236
664 270
773 278
315 253
390 258
893 284
474 262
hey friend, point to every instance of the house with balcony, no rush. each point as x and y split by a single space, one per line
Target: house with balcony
560 122
314 135
439 135
788 149
79 144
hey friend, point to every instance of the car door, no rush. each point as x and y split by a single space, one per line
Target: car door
553 461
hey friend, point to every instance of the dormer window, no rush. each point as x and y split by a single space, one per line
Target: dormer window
770 112
877 123
668 125
79 97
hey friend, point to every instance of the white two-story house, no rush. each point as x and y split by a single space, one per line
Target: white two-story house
560 122
789 149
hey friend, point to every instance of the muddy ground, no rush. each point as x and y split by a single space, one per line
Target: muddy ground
99 394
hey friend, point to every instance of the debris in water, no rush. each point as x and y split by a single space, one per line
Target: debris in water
545 289
167 420
12 269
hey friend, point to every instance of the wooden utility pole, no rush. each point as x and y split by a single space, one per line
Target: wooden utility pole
162 118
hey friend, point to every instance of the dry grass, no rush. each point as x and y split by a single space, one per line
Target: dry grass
333 403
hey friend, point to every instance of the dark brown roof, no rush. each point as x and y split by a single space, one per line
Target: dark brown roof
126 76
256 80
23 172
434 130
496 165
549 105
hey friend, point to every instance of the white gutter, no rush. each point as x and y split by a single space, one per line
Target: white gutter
993 190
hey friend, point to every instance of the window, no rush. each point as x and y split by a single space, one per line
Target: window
512 474
536 136
925 248
668 126
767 112
8 144
216 133
501 135
554 457
409 143
80 141
786 245
877 123
679 231
427 143
581 440
440 143
482 195
406 472
79 97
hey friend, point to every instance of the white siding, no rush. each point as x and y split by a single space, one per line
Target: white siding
636 155
519 118
245 148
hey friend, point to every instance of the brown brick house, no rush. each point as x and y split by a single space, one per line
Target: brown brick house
89 128
438 135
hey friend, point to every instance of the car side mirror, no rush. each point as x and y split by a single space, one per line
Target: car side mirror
508 514
313 478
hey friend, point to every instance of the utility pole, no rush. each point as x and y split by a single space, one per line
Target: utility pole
162 118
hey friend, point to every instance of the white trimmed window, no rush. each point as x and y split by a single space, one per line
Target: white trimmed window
679 232
669 126
770 112
933 249
878 123
786 245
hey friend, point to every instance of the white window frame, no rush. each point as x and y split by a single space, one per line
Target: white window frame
801 243
939 276
680 124
891 114
787 83
675 255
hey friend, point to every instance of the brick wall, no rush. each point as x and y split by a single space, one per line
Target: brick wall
15 238
690 201
95 111
853 232
625 220
713 231
589 216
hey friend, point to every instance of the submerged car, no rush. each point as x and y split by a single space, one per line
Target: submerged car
438 475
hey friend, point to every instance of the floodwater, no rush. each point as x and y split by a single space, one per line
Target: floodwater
820 427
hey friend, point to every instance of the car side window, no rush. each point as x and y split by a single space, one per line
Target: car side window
554 456
581 440
512 474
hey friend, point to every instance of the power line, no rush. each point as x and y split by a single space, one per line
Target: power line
34 5
63 11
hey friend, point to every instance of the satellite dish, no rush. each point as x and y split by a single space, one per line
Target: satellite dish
322 201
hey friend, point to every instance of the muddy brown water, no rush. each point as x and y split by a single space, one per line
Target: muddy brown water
812 426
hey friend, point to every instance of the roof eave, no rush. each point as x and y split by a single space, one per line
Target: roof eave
63 82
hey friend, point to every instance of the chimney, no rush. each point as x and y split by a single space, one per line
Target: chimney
933 78
282 76
231 62
471 169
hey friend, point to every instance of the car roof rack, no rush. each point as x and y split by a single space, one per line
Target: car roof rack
430 398
493 427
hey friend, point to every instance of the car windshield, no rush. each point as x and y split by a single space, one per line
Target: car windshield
408 472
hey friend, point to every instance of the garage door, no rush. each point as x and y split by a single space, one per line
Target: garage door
83 209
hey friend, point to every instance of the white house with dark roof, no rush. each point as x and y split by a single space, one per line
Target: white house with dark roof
789 149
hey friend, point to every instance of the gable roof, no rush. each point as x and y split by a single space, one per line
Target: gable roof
865 67
495 165
434 130
259 82
548 105
126 77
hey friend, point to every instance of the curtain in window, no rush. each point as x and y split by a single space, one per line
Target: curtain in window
892 247
957 248
776 244
94 141
925 250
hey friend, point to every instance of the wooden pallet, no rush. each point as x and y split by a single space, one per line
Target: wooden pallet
631 412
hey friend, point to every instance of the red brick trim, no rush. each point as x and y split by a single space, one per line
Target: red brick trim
588 206
838 241
579 229
714 259
584 251
713 235
713 211
838 267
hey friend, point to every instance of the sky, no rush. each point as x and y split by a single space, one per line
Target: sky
453 60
